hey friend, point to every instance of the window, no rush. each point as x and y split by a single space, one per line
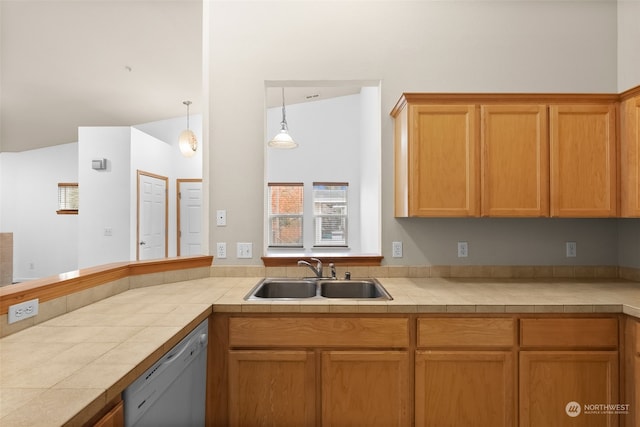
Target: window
330 213
285 214
68 198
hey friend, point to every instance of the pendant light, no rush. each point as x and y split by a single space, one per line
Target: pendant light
282 138
187 142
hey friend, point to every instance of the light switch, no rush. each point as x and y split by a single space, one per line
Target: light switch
245 250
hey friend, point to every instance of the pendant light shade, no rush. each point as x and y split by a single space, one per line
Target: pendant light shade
282 138
187 141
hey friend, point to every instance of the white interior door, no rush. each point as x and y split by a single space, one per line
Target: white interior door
152 216
189 217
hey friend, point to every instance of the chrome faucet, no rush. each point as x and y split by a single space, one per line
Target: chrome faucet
317 270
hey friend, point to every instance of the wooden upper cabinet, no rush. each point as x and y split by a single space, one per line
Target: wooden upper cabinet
630 158
436 159
514 161
583 160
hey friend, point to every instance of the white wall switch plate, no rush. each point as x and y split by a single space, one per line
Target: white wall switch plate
221 250
245 250
396 250
463 249
572 249
221 217
22 311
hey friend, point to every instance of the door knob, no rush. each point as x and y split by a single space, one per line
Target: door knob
143 243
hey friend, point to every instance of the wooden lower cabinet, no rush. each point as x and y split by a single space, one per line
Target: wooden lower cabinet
464 388
555 386
631 384
424 371
272 388
365 388
114 418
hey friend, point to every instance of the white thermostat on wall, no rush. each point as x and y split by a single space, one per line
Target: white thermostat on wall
99 164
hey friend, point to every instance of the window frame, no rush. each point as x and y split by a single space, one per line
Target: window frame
64 198
344 242
271 215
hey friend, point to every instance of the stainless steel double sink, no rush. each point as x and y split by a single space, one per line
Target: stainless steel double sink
300 289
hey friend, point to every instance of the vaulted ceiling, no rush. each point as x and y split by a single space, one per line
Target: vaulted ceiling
72 63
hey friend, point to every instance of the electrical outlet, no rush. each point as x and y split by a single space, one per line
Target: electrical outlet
463 249
572 249
221 250
22 311
245 250
108 231
396 250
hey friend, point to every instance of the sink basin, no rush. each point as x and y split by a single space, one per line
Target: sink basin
318 288
356 288
284 289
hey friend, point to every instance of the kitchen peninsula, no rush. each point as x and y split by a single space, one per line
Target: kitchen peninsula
71 369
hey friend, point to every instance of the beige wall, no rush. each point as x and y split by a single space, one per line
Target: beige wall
430 46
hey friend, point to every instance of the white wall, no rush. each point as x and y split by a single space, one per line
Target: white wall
29 182
168 131
482 46
370 172
104 195
328 133
46 243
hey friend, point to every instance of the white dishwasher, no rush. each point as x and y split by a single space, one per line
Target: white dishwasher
172 392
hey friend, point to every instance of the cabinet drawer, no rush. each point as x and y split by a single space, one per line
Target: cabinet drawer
318 332
565 333
466 332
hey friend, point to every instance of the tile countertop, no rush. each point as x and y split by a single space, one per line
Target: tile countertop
64 370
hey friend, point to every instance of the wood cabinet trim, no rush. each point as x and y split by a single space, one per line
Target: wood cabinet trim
68 283
504 98
569 333
363 332
466 332
348 260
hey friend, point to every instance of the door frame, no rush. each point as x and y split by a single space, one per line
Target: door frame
166 211
179 181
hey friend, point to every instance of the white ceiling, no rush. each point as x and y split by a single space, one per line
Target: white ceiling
75 63
71 63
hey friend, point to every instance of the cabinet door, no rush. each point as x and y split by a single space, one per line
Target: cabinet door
443 161
630 158
515 160
583 160
556 386
114 418
365 388
272 388
464 388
